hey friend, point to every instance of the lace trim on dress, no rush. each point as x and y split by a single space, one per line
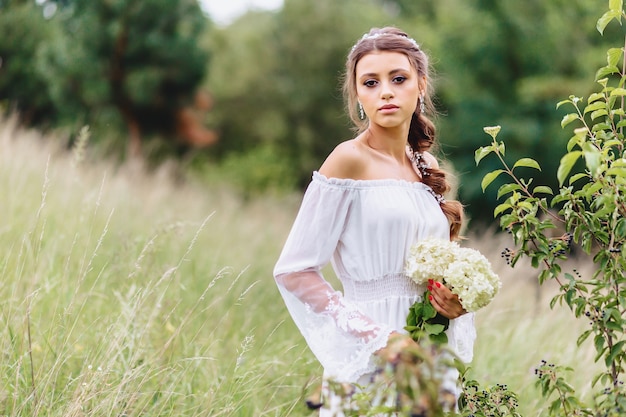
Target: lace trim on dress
363 361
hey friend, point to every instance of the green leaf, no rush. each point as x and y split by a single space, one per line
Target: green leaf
567 163
568 118
600 126
606 19
613 56
616 172
620 228
616 5
616 327
410 319
595 379
572 142
489 178
604 71
428 311
598 113
594 106
619 92
595 96
482 152
544 189
577 177
598 342
440 339
615 351
508 188
501 208
560 103
584 336
527 162
619 162
433 328
592 157
417 309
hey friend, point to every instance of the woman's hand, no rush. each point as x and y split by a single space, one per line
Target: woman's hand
444 301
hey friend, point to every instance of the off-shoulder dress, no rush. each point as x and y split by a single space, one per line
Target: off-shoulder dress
365 229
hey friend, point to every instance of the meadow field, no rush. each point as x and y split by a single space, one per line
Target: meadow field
131 294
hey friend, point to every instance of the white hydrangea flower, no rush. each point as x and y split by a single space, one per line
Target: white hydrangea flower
429 259
466 272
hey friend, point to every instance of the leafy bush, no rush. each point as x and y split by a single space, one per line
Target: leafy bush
589 207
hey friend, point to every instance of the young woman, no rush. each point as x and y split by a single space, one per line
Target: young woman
374 197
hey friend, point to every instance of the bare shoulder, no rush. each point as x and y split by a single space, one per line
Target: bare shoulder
430 159
347 160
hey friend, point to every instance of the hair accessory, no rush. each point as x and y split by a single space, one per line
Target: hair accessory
437 196
361 112
379 34
418 159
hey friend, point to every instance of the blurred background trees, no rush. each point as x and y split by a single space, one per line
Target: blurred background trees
155 77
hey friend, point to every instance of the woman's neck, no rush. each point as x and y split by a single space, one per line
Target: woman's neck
388 141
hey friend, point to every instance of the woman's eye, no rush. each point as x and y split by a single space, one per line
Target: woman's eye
370 83
399 79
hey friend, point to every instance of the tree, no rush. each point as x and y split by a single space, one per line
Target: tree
137 61
276 78
23 32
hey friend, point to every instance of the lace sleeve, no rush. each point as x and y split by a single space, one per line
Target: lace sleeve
342 338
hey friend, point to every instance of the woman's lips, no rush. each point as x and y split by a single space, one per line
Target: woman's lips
388 108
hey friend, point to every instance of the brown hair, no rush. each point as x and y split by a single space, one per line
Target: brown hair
422 130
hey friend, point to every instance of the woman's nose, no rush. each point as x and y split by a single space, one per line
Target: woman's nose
386 91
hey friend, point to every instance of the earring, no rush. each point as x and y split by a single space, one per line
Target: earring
422 105
361 112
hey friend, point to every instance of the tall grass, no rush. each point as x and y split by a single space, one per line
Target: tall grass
131 294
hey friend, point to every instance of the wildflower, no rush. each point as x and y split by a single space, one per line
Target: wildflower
492 130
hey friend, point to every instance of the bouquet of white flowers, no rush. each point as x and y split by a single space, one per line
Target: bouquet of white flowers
466 272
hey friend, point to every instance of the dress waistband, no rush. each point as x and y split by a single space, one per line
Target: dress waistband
393 285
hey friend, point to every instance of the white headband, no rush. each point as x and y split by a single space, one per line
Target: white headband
379 34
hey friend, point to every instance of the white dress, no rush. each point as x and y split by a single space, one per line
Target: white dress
365 229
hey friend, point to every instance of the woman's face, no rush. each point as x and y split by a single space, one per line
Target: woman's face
388 88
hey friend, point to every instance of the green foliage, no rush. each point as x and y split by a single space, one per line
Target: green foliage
590 206
23 31
125 67
259 171
424 320
276 79
551 381
142 59
412 385
493 401
116 64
